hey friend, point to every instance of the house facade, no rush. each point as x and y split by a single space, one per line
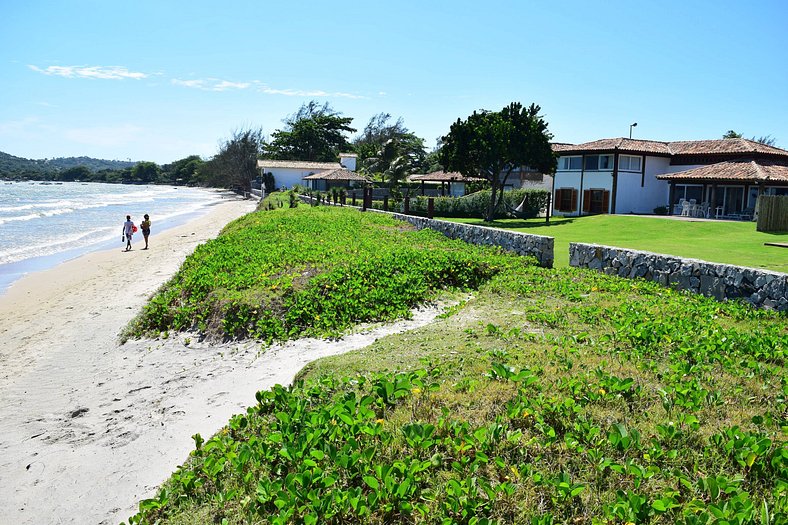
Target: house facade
288 173
722 178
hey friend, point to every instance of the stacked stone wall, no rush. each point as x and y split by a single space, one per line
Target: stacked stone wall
761 288
537 246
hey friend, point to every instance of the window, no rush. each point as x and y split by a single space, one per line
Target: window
629 163
566 199
596 201
598 162
570 163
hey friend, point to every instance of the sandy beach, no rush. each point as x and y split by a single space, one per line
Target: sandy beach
90 427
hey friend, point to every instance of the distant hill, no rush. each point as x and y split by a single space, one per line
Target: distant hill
19 167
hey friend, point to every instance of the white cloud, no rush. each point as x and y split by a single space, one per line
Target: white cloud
216 84
100 72
211 84
306 93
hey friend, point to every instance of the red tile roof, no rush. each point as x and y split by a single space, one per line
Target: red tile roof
338 174
741 170
443 176
681 147
298 164
723 146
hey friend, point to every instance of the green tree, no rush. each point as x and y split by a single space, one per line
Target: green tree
183 171
731 134
77 173
388 150
491 144
235 165
315 133
145 172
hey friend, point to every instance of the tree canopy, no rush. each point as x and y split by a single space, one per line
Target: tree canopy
235 165
388 150
315 133
491 144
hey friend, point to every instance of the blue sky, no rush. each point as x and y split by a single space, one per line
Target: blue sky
161 80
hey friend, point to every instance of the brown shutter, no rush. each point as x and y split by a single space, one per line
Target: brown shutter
557 201
574 200
587 201
606 202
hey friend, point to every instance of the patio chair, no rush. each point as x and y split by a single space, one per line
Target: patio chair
685 209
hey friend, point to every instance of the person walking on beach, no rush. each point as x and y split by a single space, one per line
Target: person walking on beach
145 225
128 231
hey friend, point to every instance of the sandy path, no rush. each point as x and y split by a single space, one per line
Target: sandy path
88 427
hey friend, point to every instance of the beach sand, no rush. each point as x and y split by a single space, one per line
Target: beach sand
89 427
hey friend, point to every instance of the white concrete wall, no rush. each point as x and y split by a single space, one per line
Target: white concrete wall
289 177
348 162
631 197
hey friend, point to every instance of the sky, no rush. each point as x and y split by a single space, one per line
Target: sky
162 80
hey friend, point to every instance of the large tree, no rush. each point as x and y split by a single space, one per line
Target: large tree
491 144
315 133
235 165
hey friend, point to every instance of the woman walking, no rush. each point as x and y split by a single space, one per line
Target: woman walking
145 225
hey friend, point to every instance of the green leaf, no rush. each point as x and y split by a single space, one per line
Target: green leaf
372 482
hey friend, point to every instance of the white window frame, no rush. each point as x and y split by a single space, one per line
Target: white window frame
629 163
567 160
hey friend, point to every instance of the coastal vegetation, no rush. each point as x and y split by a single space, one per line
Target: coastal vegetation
312 271
543 396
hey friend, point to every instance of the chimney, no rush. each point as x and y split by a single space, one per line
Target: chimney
348 161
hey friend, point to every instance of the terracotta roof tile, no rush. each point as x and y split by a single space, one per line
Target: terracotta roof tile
681 147
338 174
443 176
723 146
298 164
735 170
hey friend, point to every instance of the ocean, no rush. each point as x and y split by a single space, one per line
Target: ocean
43 224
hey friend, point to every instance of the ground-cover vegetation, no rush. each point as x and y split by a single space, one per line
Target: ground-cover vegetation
311 271
549 396
716 241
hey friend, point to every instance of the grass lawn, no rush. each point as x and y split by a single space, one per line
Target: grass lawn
724 242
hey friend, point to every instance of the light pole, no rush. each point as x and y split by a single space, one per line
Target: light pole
634 124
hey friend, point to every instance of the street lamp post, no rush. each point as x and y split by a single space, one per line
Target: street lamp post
634 124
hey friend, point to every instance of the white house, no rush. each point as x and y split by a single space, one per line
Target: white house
288 173
623 175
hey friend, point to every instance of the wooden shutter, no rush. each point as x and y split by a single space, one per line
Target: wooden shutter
557 201
606 202
587 201
574 200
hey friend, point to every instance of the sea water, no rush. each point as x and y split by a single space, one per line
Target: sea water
43 224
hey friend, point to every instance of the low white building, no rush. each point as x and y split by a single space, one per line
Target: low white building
288 173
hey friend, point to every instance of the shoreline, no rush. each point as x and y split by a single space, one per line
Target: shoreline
59 355
92 427
11 272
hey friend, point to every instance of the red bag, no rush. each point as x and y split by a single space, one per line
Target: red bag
134 229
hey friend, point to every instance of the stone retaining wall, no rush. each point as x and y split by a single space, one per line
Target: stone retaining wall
762 288
537 246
